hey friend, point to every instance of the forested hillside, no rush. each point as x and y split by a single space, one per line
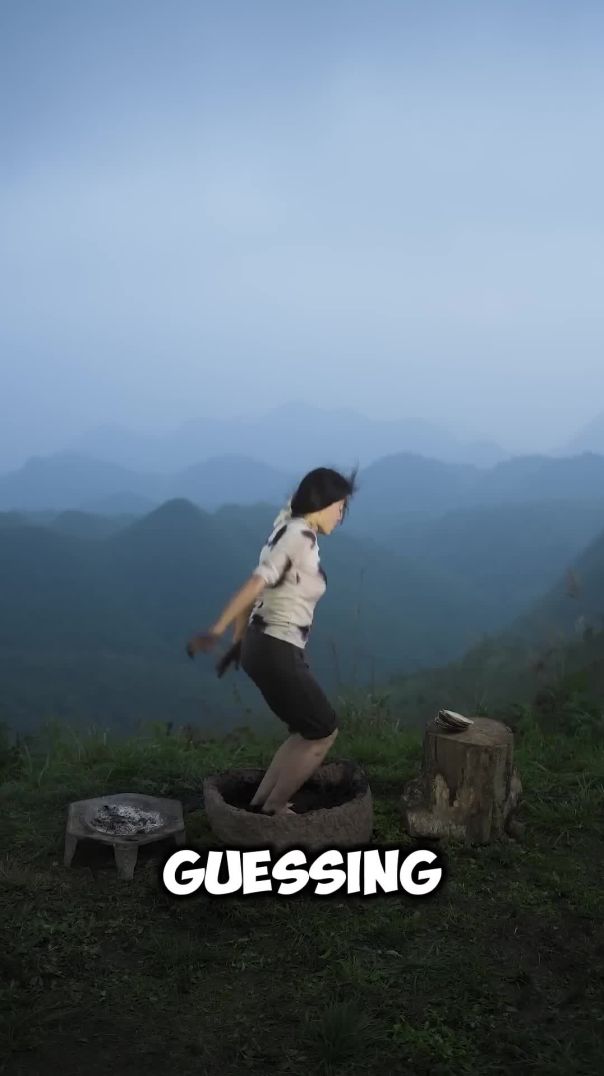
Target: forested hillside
97 609
553 653
95 627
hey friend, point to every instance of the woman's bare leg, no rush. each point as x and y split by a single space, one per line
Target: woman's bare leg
306 757
270 777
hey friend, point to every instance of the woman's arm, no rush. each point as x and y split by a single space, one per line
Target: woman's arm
241 622
241 603
274 564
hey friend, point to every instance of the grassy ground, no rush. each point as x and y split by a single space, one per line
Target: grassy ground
500 971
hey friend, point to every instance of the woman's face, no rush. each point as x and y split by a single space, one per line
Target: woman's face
331 516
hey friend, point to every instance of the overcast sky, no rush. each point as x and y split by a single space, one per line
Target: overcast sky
220 207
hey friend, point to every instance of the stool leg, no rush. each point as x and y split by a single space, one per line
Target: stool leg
70 847
125 860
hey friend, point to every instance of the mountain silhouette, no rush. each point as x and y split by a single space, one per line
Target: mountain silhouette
307 436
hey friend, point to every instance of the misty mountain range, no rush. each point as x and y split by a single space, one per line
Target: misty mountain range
105 570
96 610
557 641
68 481
298 435
589 439
392 485
97 628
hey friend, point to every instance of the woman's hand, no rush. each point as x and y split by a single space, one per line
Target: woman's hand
203 643
237 609
232 657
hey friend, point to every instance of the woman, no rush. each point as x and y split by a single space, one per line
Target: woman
273 614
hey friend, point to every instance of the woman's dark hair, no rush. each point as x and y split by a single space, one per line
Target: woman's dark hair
322 487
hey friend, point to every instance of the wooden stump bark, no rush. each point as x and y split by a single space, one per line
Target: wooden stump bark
468 787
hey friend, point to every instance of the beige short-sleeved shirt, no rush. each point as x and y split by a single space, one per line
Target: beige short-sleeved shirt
291 566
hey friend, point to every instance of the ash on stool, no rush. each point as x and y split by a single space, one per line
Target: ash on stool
122 819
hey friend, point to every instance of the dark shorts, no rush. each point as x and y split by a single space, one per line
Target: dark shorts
282 675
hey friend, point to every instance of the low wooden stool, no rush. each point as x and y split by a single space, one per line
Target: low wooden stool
80 817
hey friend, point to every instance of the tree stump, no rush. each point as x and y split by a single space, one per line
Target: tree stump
468 787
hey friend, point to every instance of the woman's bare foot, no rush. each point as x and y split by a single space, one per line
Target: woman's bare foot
288 809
